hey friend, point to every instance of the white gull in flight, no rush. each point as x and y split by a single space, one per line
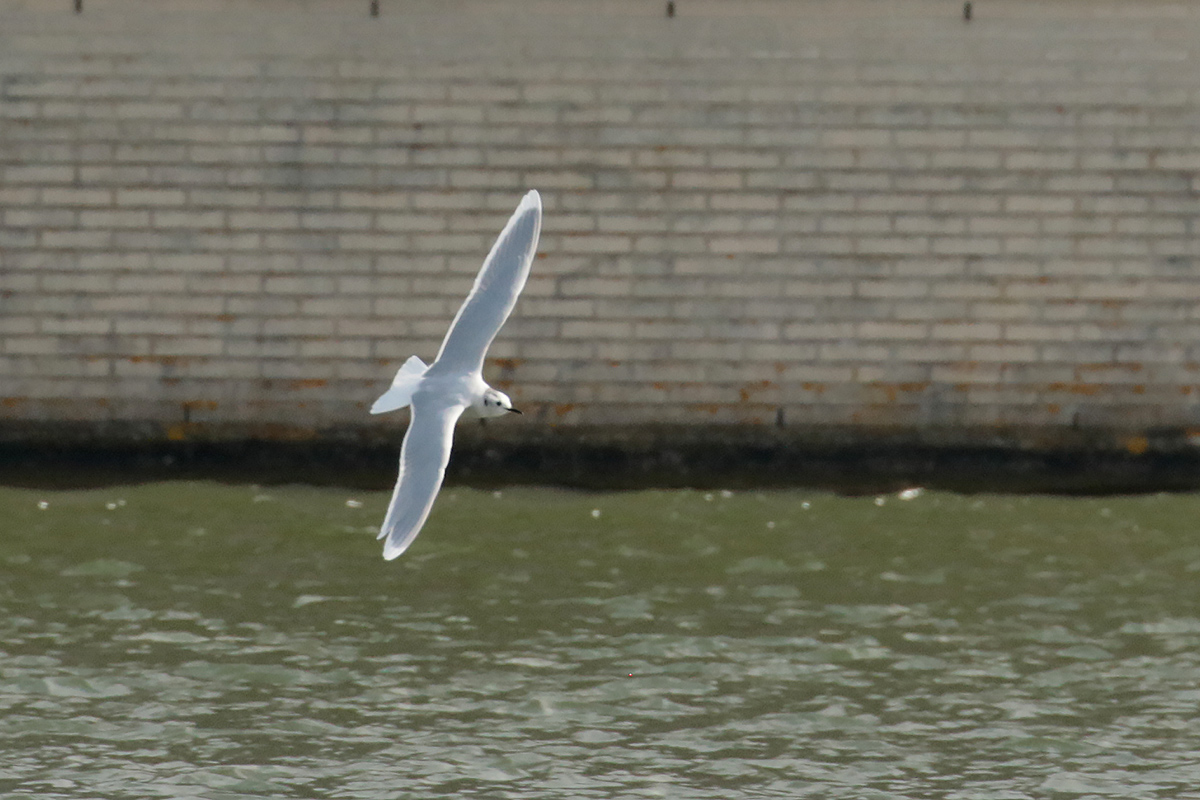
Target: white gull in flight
453 383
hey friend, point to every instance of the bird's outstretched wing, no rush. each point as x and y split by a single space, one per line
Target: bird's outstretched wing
423 458
495 292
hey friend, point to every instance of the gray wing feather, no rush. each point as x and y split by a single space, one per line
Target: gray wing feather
423 459
495 292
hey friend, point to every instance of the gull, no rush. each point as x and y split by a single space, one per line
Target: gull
453 383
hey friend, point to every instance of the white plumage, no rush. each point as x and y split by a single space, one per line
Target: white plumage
441 392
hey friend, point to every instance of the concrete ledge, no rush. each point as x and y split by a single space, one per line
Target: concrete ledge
848 460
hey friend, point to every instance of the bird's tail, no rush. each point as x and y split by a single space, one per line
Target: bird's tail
400 393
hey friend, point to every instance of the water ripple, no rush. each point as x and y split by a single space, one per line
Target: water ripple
214 642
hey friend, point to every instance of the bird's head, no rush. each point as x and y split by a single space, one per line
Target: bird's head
495 404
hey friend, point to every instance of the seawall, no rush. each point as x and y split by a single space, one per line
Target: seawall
764 221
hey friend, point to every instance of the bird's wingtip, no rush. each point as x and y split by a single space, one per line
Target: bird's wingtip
393 546
532 198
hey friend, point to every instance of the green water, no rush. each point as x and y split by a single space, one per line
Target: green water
190 640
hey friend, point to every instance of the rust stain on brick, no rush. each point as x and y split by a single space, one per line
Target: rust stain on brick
1089 389
1136 445
562 409
508 363
308 383
200 405
166 361
893 390
753 388
12 402
816 388
178 433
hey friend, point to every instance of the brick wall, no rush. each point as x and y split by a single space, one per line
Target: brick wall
835 213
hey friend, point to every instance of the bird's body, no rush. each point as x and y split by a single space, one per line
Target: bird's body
453 383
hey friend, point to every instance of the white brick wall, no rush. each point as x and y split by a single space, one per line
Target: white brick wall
858 213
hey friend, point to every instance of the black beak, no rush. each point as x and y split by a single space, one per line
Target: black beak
513 410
